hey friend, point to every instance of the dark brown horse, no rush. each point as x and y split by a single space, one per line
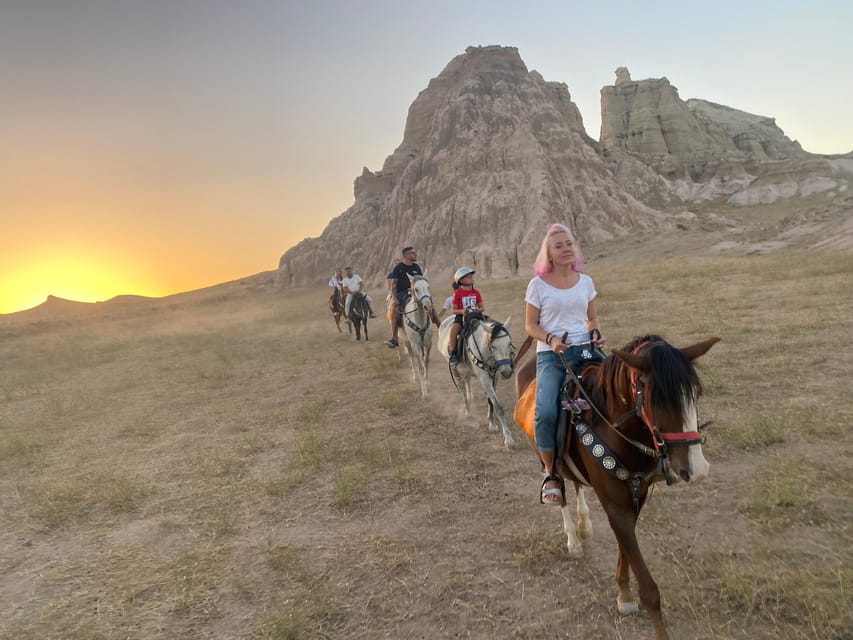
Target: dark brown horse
359 311
634 423
336 308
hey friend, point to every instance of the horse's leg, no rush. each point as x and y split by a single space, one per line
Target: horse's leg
490 416
573 541
495 408
462 386
365 328
624 522
574 533
412 348
427 346
465 384
626 602
584 522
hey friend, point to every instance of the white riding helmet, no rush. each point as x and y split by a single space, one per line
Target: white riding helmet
461 272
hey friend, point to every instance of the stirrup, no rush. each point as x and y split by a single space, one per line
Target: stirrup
555 491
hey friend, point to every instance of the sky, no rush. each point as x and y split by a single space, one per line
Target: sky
151 147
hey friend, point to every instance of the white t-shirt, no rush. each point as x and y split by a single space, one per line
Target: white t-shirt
334 282
353 284
562 310
448 304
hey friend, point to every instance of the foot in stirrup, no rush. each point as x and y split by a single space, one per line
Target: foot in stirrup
391 342
372 315
453 359
552 491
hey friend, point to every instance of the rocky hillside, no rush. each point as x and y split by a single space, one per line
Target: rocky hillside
492 152
707 151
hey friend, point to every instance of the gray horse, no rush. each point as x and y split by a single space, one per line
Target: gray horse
488 352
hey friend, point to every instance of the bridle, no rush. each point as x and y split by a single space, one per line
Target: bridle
498 331
660 440
419 301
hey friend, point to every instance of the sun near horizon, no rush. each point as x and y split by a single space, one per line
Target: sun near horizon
76 278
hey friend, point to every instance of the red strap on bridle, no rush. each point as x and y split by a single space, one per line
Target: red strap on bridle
680 437
683 437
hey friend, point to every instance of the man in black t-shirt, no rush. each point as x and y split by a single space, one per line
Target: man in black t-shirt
400 279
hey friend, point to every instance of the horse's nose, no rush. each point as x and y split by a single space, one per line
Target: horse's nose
506 372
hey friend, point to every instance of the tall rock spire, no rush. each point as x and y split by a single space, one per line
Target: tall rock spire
490 155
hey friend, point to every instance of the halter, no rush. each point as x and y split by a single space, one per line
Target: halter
420 302
479 360
638 384
659 452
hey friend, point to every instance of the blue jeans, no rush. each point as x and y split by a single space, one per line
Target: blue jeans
550 376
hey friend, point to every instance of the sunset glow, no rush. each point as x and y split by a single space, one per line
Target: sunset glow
155 149
73 277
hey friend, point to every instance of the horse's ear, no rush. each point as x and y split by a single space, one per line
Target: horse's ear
699 349
633 360
508 322
411 279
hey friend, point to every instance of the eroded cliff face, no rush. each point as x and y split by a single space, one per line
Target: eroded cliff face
704 150
491 154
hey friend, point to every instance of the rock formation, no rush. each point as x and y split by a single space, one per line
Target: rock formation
491 153
704 150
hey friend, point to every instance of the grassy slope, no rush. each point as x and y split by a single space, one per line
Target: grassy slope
226 465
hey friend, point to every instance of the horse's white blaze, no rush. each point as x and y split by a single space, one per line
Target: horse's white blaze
699 466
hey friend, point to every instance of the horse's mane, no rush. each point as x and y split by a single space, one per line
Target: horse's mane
671 375
495 327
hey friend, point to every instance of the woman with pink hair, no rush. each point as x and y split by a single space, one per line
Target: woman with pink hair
560 315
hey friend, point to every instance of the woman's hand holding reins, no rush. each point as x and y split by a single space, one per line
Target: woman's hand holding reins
558 345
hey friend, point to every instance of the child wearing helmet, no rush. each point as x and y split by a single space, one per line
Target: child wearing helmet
465 300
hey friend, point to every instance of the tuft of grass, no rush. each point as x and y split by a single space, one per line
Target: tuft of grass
75 500
394 402
311 413
536 553
19 450
310 612
754 431
782 493
347 481
804 598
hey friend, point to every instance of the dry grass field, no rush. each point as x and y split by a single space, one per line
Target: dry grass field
223 464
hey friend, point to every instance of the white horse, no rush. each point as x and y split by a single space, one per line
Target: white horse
416 330
488 351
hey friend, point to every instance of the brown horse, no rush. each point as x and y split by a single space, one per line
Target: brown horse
633 423
336 308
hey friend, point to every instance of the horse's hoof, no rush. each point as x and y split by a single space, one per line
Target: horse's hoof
626 608
575 550
509 443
